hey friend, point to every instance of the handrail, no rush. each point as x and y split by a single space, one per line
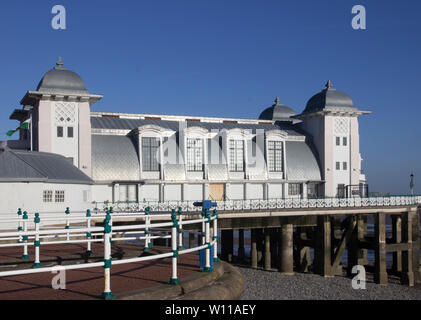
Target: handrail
106 232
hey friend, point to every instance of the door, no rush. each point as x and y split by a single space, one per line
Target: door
217 192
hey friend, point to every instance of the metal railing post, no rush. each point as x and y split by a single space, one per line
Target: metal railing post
174 278
203 228
180 229
215 236
147 230
208 267
25 255
37 243
20 229
88 234
107 294
67 223
110 212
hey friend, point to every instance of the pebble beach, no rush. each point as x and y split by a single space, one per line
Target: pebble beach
272 285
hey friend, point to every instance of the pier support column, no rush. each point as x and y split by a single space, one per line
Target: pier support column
241 250
380 273
397 238
323 248
191 240
303 257
227 245
260 246
416 246
287 250
274 248
407 275
253 253
356 256
268 264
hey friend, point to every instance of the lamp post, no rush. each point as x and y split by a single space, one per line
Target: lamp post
411 184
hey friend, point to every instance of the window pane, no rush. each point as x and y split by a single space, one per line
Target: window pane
345 142
338 141
194 154
60 132
70 132
150 154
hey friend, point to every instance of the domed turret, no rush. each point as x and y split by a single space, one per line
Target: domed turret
330 99
61 80
278 112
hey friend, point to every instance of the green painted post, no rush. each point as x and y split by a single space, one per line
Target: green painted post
25 255
215 236
208 267
37 243
174 279
20 229
88 234
107 294
147 230
180 229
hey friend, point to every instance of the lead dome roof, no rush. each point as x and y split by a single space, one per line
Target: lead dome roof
330 99
62 80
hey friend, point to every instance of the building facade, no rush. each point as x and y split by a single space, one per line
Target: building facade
144 157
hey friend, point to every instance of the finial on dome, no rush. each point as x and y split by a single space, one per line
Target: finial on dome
329 84
59 63
277 101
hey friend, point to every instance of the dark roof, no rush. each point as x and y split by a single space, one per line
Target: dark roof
277 112
330 99
26 166
61 80
130 124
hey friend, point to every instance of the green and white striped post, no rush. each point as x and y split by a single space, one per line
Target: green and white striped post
107 294
215 236
25 255
147 230
20 228
180 229
203 228
67 222
88 234
37 243
208 267
109 214
174 278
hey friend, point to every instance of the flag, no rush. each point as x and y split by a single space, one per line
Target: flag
23 126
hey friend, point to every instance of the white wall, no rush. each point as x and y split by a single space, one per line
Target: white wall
29 197
193 192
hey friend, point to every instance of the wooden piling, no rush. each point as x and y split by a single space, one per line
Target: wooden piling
323 247
192 239
287 259
253 253
416 246
380 273
397 238
241 250
407 274
268 263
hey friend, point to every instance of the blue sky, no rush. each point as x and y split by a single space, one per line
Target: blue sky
232 58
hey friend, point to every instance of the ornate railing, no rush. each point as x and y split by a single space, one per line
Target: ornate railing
268 204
